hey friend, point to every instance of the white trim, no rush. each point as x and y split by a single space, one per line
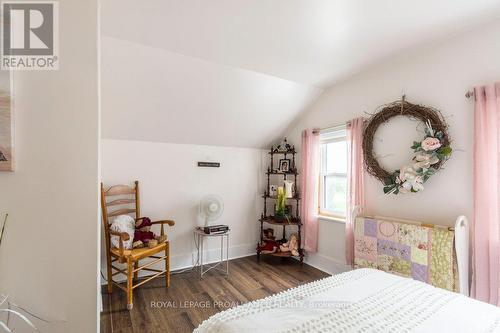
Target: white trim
326 264
332 219
327 136
333 134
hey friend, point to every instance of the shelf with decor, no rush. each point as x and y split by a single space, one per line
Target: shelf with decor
275 172
266 195
286 209
281 254
273 220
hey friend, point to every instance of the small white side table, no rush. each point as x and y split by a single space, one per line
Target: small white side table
200 235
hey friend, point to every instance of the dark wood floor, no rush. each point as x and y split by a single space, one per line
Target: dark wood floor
189 300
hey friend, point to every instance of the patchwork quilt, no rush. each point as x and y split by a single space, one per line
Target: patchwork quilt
409 250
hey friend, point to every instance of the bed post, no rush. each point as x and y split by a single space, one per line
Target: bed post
462 252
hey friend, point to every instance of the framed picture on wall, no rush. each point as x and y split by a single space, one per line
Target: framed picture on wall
284 165
6 123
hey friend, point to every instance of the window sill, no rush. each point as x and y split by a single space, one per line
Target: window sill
332 219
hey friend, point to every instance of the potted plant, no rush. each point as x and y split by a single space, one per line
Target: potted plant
281 212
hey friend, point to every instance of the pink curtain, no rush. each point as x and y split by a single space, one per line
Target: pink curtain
309 188
486 233
355 181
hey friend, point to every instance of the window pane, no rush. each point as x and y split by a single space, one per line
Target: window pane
335 194
336 157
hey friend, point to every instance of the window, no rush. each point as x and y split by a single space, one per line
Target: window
333 172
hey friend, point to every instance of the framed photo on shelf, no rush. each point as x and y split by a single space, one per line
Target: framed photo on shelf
284 165
273 190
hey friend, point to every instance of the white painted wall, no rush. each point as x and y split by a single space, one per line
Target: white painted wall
169 97
48 255
172 185
436 75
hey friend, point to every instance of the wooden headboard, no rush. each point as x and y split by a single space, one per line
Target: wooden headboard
435 254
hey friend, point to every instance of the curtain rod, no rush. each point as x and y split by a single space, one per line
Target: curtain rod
469 94
318 130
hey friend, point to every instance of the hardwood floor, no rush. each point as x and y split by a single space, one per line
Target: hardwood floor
190 300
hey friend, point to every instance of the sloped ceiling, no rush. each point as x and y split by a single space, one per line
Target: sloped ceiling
238 72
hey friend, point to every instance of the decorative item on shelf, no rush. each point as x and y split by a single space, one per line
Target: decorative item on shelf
268 234
288 211
291 246
273 190
429 154
284 146
284 165
281 205
268 246
288 189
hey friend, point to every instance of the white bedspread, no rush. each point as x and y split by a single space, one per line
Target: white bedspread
363 300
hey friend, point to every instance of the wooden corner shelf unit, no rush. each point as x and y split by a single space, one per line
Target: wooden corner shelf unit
294 219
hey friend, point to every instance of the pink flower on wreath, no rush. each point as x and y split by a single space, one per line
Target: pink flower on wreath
430 144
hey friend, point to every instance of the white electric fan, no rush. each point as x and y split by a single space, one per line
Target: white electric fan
211 208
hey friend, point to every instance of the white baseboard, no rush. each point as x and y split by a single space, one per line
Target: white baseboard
187 260
326 264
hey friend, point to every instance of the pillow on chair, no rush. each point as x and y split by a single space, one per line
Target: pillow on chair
123 223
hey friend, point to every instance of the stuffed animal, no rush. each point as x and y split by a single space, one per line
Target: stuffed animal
144 236
123 223
292 245
268 234
268 246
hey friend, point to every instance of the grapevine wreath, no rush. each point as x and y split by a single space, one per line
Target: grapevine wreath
429 154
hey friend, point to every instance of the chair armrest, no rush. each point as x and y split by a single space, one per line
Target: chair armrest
162 222
169 222
123 237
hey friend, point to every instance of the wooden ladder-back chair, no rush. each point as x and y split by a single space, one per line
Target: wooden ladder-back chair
119 200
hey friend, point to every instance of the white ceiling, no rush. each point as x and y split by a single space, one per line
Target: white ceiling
237 72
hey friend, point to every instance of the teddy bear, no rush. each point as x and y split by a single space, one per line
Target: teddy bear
144 236
292 245
269 244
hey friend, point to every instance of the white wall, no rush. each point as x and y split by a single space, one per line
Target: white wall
436 75
172 185
48 255
173 98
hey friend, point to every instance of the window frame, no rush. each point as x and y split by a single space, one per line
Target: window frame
330 135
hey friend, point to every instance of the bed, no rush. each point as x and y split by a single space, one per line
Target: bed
409 277
362 300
